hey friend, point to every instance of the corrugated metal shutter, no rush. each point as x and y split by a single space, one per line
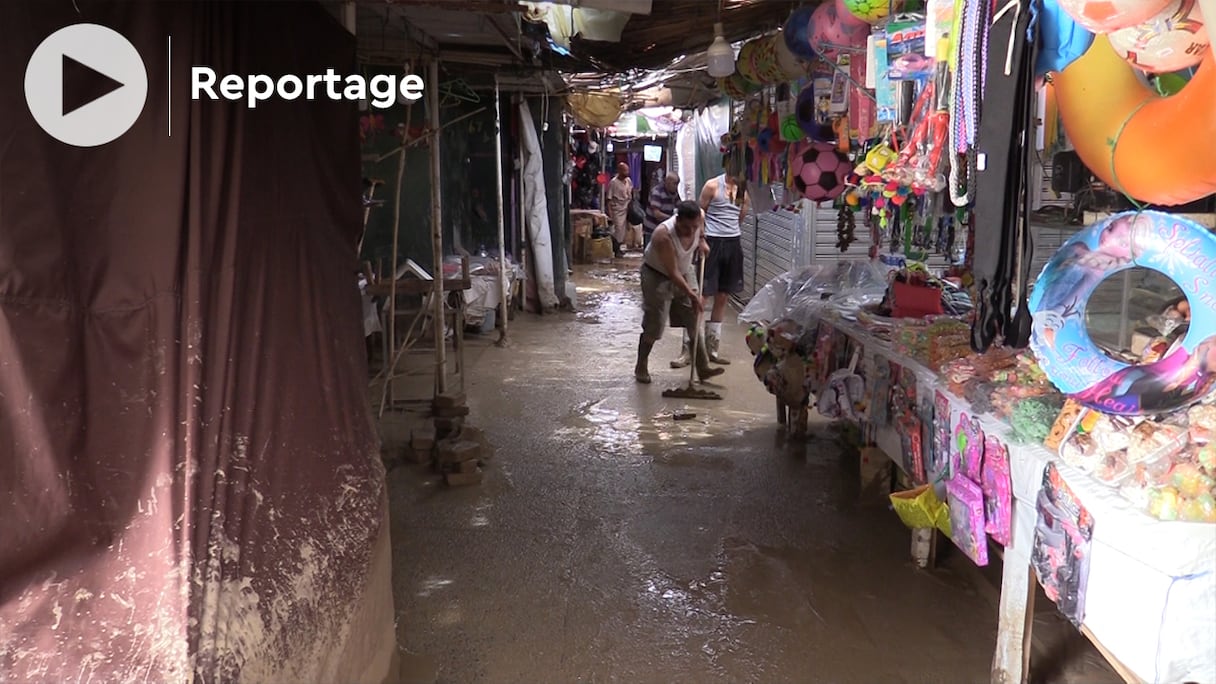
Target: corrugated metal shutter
773 242
1048 236
825 248
776 242
748 241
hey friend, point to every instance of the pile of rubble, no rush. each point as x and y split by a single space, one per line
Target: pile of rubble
458 451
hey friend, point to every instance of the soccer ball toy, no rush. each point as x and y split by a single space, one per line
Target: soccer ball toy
1171 41
823 173
1106 16
871 11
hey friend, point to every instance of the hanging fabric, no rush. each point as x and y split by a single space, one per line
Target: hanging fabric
1003 150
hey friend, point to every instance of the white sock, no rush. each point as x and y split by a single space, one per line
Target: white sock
714 329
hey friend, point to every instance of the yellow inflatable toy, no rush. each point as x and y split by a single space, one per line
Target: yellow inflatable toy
1159 150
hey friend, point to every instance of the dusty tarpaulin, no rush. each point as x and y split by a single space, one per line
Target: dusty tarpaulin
189 481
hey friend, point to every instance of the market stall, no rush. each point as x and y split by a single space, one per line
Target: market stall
1038 365
947 417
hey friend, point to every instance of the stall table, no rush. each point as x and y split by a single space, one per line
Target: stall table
1151 594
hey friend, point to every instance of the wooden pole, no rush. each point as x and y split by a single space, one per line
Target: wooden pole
437 317
503 291
524 243
391 358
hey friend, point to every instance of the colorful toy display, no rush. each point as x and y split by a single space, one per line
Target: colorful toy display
1114 122
823 173
1172 245
1171 41
1105 16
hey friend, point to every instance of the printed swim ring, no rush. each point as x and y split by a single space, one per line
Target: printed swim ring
1180 249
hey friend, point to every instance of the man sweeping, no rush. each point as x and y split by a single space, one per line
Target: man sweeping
666 280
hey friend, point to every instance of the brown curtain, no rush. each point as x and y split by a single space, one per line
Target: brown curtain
189 478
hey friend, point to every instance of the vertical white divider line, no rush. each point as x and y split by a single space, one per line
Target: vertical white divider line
169 93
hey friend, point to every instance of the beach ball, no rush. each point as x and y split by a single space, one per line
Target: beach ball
849 22
745 64
797 33
736 87
789 63
768 63
1106 16
823 172
870 11
1171 41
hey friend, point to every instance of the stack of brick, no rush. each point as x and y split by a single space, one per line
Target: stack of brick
457 451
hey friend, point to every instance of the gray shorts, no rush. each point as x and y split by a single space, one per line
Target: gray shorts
661 303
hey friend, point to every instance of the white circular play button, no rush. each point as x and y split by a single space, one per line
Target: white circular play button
85 85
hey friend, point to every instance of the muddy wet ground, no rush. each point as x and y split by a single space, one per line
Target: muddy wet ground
611 543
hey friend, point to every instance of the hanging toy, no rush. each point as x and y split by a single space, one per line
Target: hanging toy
846 228
823 173
1171 41
791 130
871 11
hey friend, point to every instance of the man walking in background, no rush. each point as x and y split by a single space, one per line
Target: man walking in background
725 204
620 194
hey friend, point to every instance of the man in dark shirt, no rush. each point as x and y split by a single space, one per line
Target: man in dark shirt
661 205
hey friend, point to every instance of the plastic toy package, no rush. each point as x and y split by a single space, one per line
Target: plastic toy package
969 447
1167 468
967 518
997 484
1061 552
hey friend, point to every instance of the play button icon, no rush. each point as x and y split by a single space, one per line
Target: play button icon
85 85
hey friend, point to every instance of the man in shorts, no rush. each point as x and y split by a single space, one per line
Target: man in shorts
668 284
725 203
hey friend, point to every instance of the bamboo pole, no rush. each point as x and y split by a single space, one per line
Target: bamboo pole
502 229
438 324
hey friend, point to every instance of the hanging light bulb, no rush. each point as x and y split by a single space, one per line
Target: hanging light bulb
720 56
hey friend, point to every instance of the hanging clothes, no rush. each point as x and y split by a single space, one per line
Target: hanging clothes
1004 147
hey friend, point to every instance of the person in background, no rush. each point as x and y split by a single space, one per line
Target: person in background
666 275
620 194
661 205
725 204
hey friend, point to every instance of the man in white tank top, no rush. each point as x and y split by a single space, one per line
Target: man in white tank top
725 203
666 276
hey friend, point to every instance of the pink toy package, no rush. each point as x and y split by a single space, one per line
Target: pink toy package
969 444
967 518
998 492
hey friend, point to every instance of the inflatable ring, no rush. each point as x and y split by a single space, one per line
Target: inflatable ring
1135 140
1178 248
